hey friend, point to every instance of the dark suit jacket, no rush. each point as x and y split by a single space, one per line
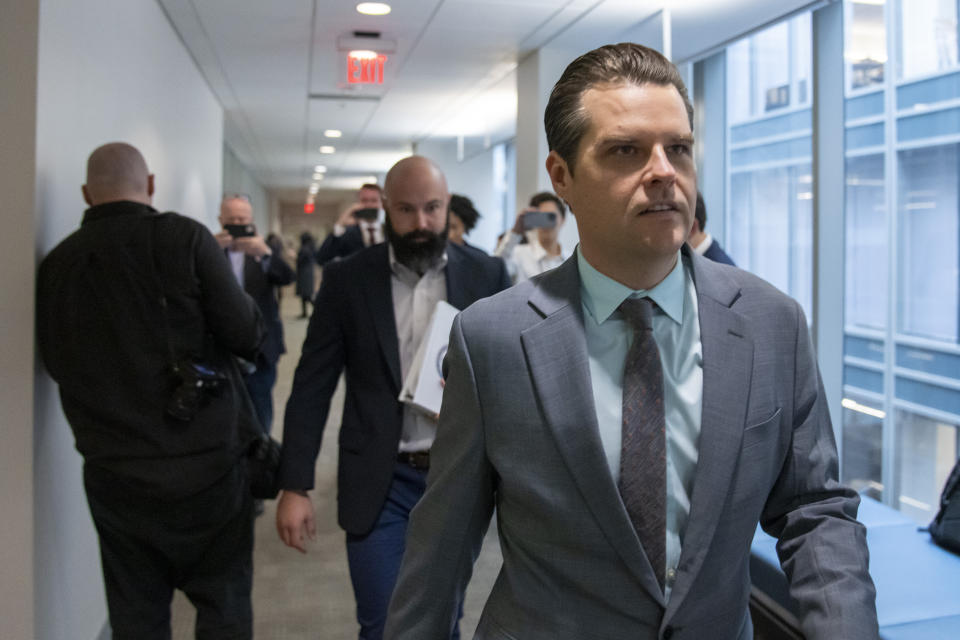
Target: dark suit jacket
518 432
353 329
260 284
717 254
340 246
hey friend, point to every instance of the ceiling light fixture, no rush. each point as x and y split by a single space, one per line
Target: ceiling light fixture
333 133
318 176
327 149
320 169
373 8
363 54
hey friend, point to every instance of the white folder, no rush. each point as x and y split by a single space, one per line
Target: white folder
423 388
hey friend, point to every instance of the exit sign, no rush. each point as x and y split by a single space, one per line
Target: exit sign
365 69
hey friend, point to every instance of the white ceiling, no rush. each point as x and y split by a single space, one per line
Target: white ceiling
277 71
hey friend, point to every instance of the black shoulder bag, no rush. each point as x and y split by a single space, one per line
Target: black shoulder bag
196 380
945 528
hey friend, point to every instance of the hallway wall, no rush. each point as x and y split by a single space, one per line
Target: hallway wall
110 70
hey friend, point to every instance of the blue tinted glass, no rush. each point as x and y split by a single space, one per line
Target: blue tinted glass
870 135
865 106
935 362
863 379
798 149
863 348
928 395
929 125
929 91
791 122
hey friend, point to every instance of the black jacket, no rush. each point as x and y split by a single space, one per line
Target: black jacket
353 330
261 284
104 338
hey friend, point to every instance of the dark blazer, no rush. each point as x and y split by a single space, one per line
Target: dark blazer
260 283
353 329
717 254
340 246
518 433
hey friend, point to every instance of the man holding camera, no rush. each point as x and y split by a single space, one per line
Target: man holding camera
259 272
357 227
545 214
138 321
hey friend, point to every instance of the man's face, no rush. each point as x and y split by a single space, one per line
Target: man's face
236 211
369 198
418 203
634 188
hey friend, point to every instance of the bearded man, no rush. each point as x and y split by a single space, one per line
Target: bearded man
371 313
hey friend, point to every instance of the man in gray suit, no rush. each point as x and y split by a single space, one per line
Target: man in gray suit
632 414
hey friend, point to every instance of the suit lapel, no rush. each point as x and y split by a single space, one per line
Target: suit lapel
460 292
556 351
727 369
379 299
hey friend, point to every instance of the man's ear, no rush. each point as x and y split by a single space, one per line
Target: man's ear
150 185
559 173
86 195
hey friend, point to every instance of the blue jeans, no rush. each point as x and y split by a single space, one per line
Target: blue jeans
374 558
260 387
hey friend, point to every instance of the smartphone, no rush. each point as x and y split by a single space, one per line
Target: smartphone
534 218
367 214
240 230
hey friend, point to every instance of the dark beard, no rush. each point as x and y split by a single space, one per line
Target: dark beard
417 250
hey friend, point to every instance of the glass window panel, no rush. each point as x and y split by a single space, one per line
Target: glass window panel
738 81
928 36
865 48
771 228
801 57
770 56
862 440
929 235
865 297
927 452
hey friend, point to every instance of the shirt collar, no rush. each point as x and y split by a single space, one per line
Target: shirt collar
704 245
602 294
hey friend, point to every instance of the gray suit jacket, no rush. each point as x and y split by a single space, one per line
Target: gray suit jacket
518 432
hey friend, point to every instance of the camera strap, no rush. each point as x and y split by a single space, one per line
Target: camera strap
162 296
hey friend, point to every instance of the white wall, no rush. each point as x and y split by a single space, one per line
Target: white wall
110 70
18 100
474 178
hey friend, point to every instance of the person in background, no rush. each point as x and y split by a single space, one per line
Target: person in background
140 321
357 227
260 270
527 260
702 242
372 311
305 271
463 218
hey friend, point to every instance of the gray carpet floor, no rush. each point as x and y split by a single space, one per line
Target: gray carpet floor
298 597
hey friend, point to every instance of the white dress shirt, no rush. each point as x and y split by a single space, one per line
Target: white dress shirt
414 300
526 260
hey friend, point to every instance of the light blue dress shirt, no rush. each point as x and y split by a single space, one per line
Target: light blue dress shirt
676 329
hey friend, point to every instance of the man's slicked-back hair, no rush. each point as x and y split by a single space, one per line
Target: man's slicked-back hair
625 63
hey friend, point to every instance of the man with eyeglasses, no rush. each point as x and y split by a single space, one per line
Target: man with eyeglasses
259 271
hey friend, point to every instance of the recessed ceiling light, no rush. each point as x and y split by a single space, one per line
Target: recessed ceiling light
327 149
333 133
320 169
363 54
373 8
318 176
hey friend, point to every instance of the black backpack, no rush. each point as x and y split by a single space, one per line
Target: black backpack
945 528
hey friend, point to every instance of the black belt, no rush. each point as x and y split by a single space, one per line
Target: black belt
419 460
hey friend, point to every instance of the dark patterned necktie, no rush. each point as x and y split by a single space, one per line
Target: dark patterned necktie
643 457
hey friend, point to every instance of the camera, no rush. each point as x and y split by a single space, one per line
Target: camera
534 218
195 383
